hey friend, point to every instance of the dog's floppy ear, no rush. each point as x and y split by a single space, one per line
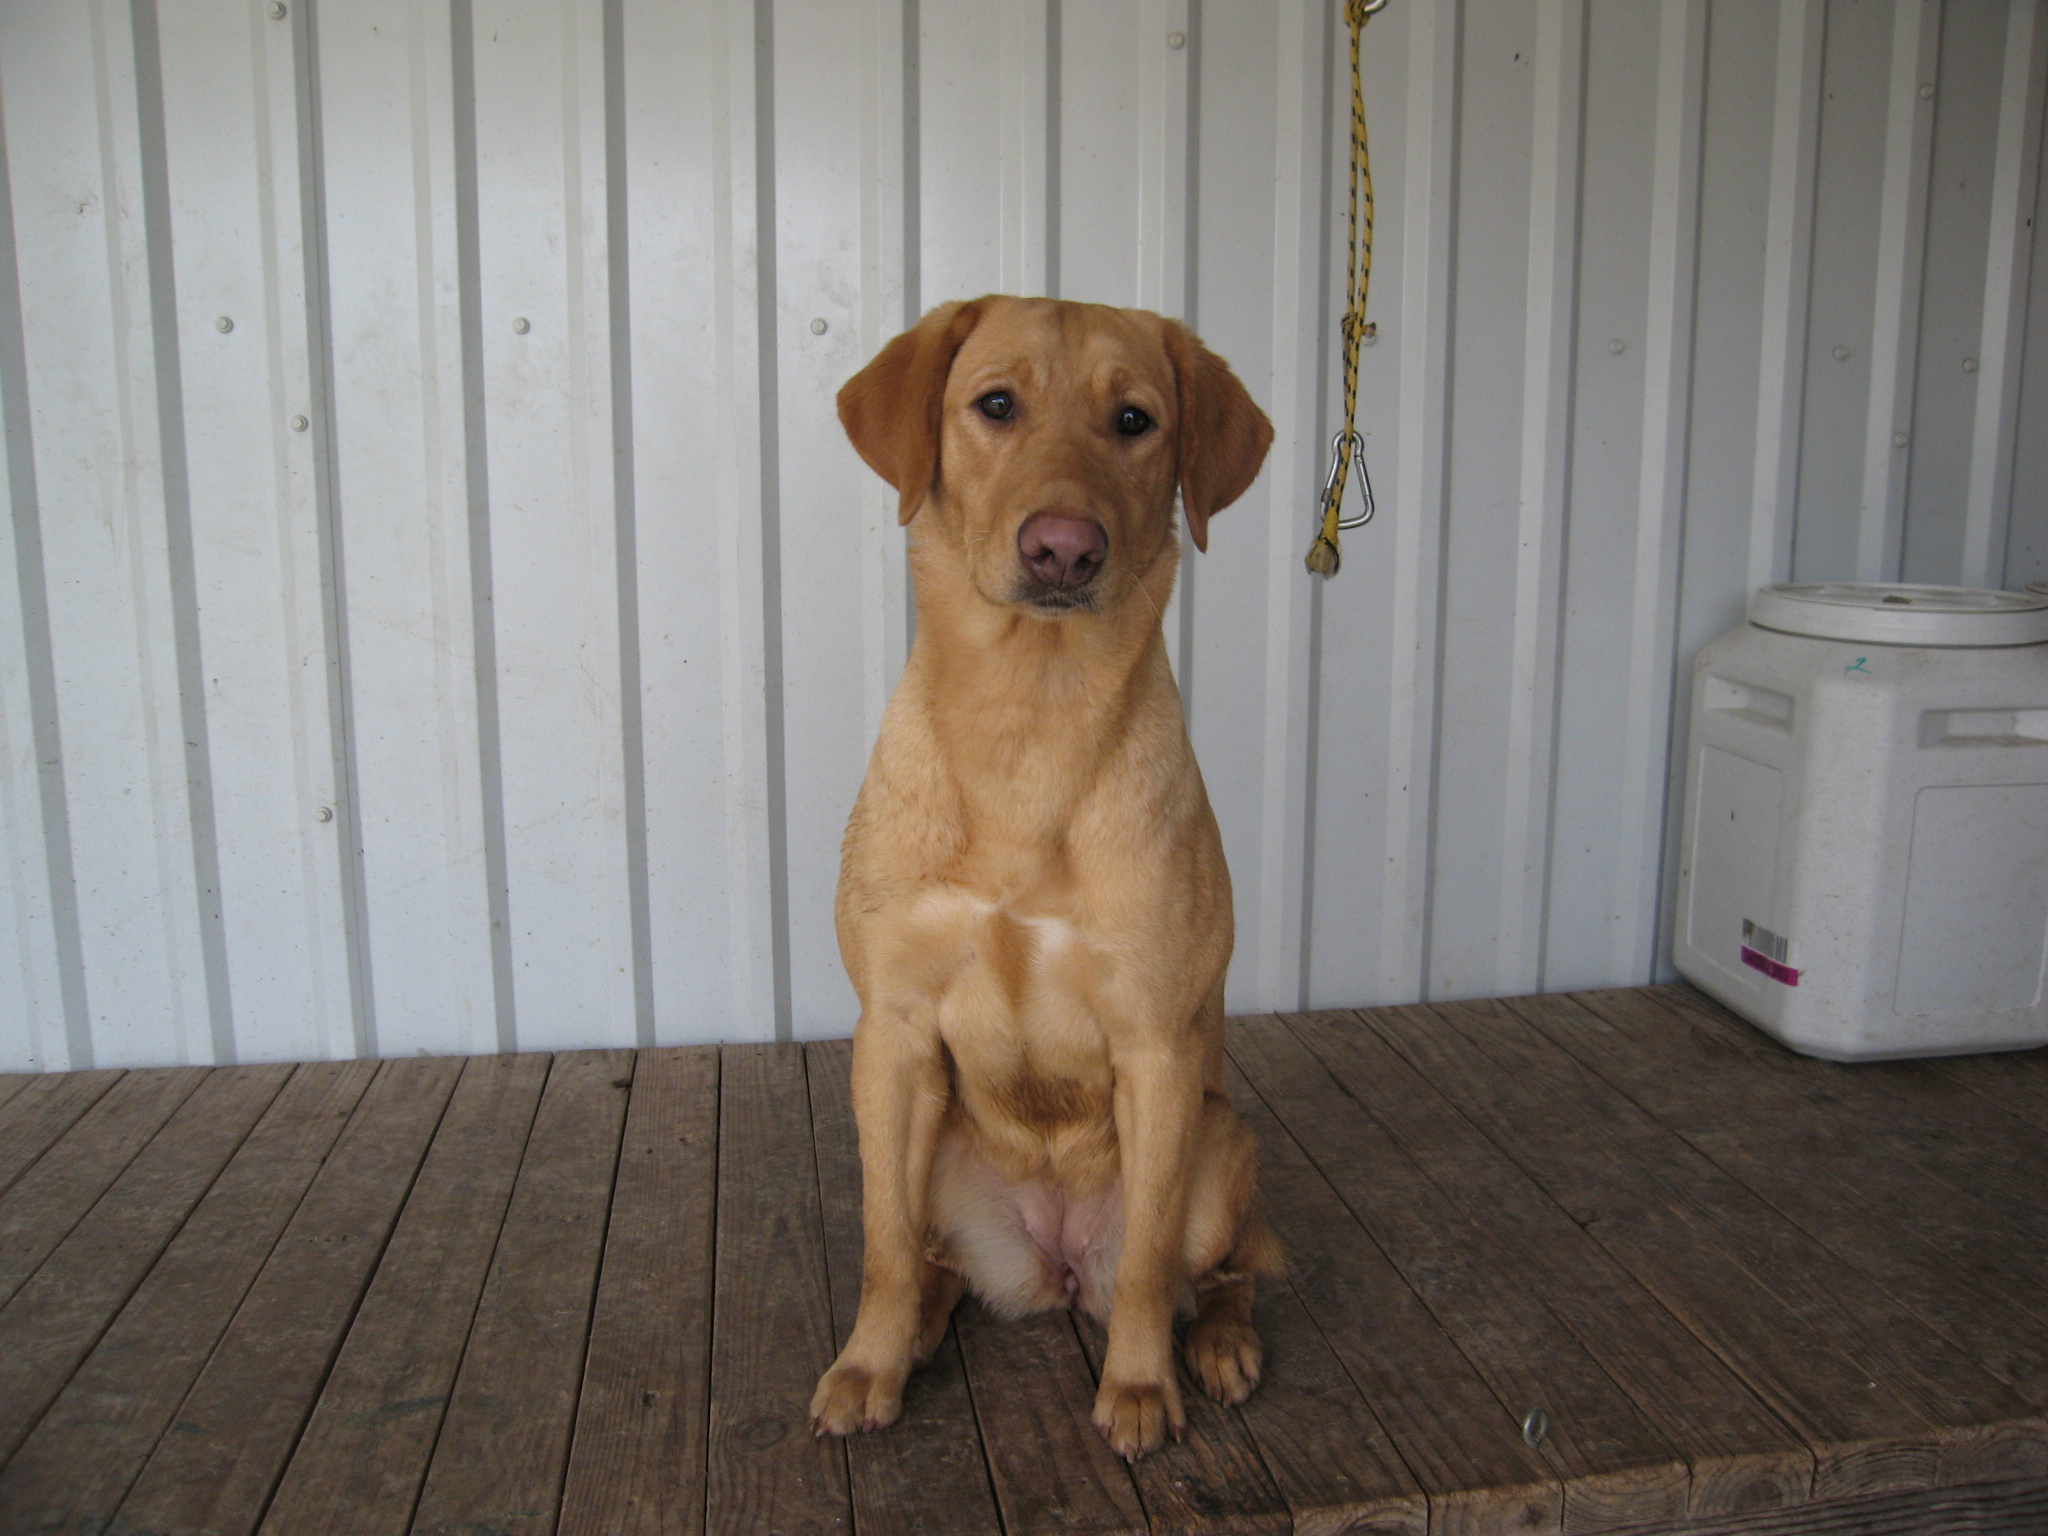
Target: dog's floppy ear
1223 435
891 408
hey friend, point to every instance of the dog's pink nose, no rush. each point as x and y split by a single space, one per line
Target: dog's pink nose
1062 551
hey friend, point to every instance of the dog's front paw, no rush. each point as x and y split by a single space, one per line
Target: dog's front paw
1225 1355
851 1397
1135 1417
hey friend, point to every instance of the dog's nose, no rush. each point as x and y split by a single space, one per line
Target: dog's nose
1062 551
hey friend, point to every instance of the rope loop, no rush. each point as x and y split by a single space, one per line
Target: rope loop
1325 555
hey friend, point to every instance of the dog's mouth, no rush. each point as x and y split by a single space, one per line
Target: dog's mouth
1053 601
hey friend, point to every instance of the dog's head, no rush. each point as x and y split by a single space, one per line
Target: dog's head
1043 441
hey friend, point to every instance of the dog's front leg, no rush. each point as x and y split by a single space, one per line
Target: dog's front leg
1158 1102
899 1099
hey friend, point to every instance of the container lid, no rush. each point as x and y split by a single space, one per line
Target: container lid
1881 614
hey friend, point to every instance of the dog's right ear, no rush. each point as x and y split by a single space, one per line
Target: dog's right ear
891 408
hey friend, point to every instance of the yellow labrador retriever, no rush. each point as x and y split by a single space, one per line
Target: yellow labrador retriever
1033 904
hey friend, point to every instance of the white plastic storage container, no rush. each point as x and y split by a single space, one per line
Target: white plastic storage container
1864 864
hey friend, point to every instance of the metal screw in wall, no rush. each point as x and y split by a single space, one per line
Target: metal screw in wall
1617 347
1927 91
1969 365
818 327
1898 439
1176 39
324 813
277 10
1370 334
223 325
299 423
1841 354
521 326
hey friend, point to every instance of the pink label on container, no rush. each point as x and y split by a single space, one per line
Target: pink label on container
1769 967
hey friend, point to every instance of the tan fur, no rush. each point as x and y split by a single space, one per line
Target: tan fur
1033 904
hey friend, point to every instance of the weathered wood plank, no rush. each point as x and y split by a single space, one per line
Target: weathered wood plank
1995 1509
1958 1262
1617 1469
926 1473
1034 1398
1994 1159
1742 1456
1209 1482
47 1201
2016 1081
213 1472
72 1471
1884 1401
360 1461
41 1112
1463 1445
771 1336
637 1466
504 1443
1330 1458
12 1083
55 1319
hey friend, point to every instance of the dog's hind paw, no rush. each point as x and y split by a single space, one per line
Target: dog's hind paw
1226 1356
851 1397
1135 1419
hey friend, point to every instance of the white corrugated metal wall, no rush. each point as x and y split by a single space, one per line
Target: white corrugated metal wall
445 615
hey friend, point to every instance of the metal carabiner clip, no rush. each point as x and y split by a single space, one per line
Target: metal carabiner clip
1356 446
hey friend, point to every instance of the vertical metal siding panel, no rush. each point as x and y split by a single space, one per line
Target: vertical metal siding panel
540 133
1838 362
1901 251
1353 684
90 358
2014 178
961 213
1606 525
402 480
42 1018
232 153
985 227
1667 411
1951 299
1098 193
2026 540
830 676
690 151
1730 282
1788 266
1498 81
1419 502
1548 341
1302 127
1236 284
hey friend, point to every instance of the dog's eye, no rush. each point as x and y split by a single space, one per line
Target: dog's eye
1132 422
996 405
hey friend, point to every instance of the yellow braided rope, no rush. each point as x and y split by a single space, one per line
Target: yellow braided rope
1325 555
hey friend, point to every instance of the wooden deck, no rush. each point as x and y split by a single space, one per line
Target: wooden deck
1748 1292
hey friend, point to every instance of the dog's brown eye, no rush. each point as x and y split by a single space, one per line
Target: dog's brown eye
996 405
1132 422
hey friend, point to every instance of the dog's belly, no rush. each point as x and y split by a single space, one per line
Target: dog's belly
1023 1245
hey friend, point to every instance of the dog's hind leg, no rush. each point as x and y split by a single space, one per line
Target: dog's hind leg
939 1293
1222 1347
1229 1244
